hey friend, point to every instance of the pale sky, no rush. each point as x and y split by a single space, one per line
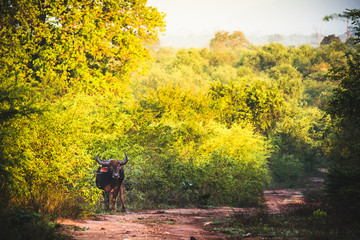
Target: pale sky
261 17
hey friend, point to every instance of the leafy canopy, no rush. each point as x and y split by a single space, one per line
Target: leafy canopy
63 46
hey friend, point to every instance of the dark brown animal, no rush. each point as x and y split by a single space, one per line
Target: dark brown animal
110 178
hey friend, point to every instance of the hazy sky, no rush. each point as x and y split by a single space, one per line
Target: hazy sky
261 17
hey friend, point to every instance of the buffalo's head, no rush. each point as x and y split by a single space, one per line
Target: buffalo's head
113 165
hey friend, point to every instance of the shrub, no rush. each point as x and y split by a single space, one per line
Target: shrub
24 225
287 170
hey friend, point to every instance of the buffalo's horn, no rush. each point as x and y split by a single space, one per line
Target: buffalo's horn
125 160
107 162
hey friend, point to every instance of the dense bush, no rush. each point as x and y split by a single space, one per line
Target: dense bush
287 170
169 168
24 225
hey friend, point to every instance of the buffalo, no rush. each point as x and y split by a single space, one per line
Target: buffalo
110 178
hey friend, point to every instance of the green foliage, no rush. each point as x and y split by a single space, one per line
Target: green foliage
58 48
190 58
296 222
287 170
223 40
229 102
183 161
222 57
204 126
298 141
157 180
300 132
303 57
187 69
16 101
47 156
65 70
196 99
230 181
235 160
175 104
348 14
224 74
288 79
317 92
270 55
260 103
23 225
345 143
329 39
265 102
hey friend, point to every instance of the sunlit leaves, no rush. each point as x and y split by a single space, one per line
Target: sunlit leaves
288 79
79 45
270 55
259 104
71 62
239 142
223 40
49 154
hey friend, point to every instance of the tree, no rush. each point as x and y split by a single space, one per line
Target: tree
258 104
271 55
190 58
348 14
343 107
59 58
223 40
57 47
288 79
329 39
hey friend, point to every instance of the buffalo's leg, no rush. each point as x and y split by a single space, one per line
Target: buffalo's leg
113 197
122 196
106 201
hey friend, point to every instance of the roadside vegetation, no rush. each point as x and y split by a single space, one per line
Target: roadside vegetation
202 127
311 221
19 224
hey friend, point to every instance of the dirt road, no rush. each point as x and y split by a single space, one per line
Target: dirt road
151 224
181 223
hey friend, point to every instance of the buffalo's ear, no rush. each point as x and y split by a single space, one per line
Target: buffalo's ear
104 169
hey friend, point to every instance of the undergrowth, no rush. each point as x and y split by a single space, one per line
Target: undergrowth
23 225
313 221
